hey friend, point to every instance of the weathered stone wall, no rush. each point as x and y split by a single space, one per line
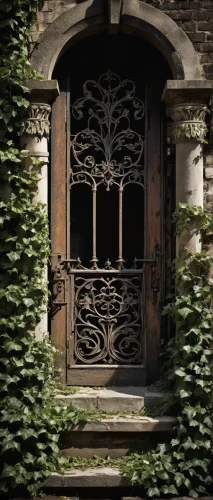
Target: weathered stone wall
49 12
195 17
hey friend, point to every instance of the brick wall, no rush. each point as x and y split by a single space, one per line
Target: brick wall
195 17
49 12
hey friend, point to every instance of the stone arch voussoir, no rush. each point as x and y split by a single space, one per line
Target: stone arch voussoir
136 17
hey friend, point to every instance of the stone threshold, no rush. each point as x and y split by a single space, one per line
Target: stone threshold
125 424
123 399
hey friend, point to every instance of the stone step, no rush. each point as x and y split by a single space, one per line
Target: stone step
115 436
122 399
94 477
125 424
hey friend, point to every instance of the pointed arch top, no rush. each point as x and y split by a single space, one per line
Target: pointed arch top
132 16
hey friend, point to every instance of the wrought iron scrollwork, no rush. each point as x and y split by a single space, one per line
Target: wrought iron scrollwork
108 150
108 320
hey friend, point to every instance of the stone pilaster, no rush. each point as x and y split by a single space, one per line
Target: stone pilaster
189 132
35 138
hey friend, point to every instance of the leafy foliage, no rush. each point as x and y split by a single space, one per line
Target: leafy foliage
186 217
184 467
30 420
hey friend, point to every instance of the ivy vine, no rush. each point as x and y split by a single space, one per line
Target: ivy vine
30 419
184 467
186 217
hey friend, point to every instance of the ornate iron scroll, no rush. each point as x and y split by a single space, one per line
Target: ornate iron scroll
108 319
108 150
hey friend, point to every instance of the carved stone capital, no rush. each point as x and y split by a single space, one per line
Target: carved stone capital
189 122
37 122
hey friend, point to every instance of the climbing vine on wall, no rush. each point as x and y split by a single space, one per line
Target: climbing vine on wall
30 421
184 467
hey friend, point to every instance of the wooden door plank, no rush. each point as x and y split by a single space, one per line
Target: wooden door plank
59 220
153 275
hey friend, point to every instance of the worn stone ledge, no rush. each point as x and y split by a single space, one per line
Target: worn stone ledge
192 91
123 399
129 424
43 90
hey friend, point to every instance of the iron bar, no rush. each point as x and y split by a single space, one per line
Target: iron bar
120 256
71 338
149 261
134 272
94 259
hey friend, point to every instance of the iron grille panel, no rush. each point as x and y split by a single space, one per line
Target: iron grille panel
107 303
107 319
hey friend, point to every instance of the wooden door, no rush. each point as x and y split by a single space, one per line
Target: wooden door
105 307
106 227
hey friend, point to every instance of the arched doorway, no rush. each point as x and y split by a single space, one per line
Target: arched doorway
107 210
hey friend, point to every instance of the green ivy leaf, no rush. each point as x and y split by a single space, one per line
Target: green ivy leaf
27 433
193 494
11 445
13 256
175 442
28 396
153 492
184 312
28 302
180 373
8 471
183 394
54 447
12 346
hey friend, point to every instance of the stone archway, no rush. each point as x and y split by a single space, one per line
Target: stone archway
112 212
132 15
